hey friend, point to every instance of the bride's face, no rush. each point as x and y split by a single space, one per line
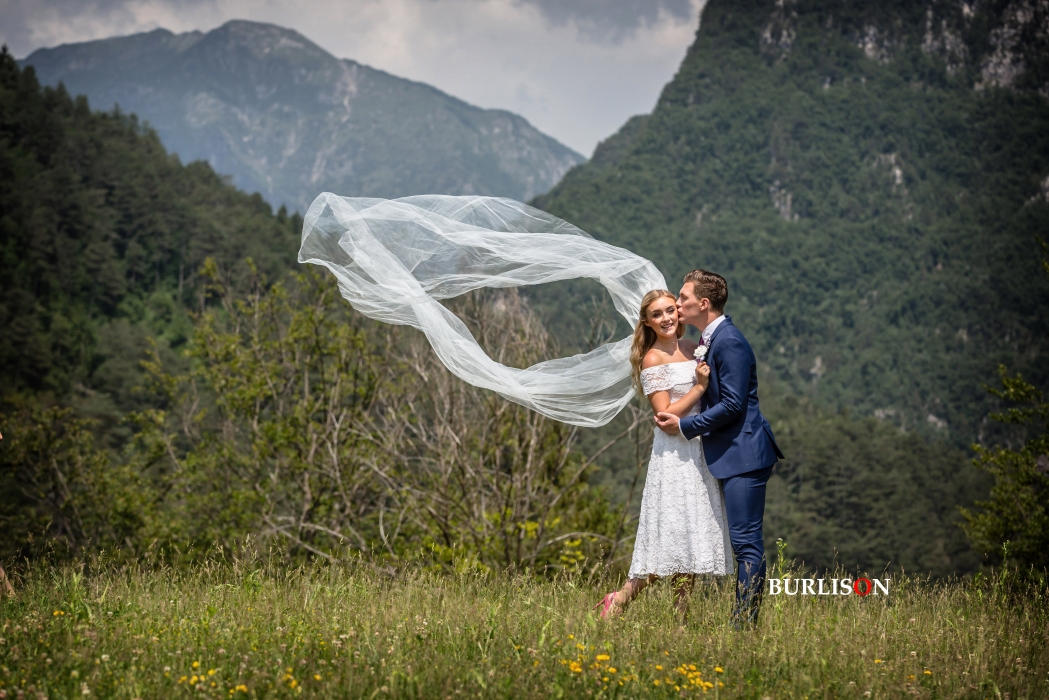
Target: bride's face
662 317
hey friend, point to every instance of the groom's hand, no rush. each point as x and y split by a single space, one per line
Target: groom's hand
668 423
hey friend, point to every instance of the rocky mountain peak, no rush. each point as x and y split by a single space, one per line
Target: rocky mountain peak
1000 44
268 42
287 119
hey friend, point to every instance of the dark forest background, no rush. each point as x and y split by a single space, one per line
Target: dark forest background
874 194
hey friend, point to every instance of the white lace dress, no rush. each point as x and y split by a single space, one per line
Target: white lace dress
682 528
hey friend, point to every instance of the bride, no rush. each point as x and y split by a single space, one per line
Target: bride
682 530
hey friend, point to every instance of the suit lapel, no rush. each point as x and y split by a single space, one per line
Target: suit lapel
709 399
721 327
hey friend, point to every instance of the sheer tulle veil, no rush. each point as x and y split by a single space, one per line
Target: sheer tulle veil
396 258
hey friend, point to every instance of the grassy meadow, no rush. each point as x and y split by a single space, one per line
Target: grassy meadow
232 630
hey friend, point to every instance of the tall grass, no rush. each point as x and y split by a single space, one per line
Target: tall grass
238 630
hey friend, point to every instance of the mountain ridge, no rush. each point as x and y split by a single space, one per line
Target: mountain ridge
286 118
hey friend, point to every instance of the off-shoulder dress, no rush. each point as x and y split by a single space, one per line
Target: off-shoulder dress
682 528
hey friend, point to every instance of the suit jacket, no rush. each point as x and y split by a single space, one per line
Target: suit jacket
736 437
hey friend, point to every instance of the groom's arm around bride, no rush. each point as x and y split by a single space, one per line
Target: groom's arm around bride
737 440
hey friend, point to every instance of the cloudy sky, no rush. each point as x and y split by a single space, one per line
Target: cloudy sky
577 69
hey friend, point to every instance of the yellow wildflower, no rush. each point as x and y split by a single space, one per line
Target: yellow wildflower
575 667
877 661
196 664
242 688
603 657
928 672
656 682
212 672
193 680
659 668
612 669
316 676
718 669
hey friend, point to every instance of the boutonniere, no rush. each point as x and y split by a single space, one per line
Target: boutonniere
701 353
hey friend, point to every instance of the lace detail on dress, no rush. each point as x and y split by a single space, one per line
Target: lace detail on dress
675 377
665 377
682 526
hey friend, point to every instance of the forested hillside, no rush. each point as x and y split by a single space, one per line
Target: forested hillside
872 178
102 233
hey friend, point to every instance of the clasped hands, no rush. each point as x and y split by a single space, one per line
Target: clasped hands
669 423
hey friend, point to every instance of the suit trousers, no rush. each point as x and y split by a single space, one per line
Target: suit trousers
745 508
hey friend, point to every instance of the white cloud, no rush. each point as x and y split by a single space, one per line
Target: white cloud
573 77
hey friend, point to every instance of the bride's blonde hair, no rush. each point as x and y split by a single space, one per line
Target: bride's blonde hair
645 337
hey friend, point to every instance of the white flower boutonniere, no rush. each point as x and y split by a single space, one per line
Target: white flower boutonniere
701 353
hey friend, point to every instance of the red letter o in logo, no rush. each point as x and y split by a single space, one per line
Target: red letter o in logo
866 591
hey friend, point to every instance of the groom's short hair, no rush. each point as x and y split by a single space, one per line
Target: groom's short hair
709 285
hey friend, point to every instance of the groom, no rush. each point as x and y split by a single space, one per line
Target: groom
737 440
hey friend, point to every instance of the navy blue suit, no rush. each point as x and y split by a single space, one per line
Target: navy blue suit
740 451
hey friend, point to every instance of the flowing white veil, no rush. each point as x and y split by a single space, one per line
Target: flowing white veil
395 258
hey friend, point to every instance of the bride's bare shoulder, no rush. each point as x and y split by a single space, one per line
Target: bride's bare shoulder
654 358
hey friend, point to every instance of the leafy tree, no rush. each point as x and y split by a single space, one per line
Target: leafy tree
302 420
1014 522
60 494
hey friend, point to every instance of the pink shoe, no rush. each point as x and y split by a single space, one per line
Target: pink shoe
606 605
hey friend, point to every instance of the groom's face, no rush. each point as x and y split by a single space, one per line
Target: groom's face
689 308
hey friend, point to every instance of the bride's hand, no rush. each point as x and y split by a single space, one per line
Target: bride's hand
703 374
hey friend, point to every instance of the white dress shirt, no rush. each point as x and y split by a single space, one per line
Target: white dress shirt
709 330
